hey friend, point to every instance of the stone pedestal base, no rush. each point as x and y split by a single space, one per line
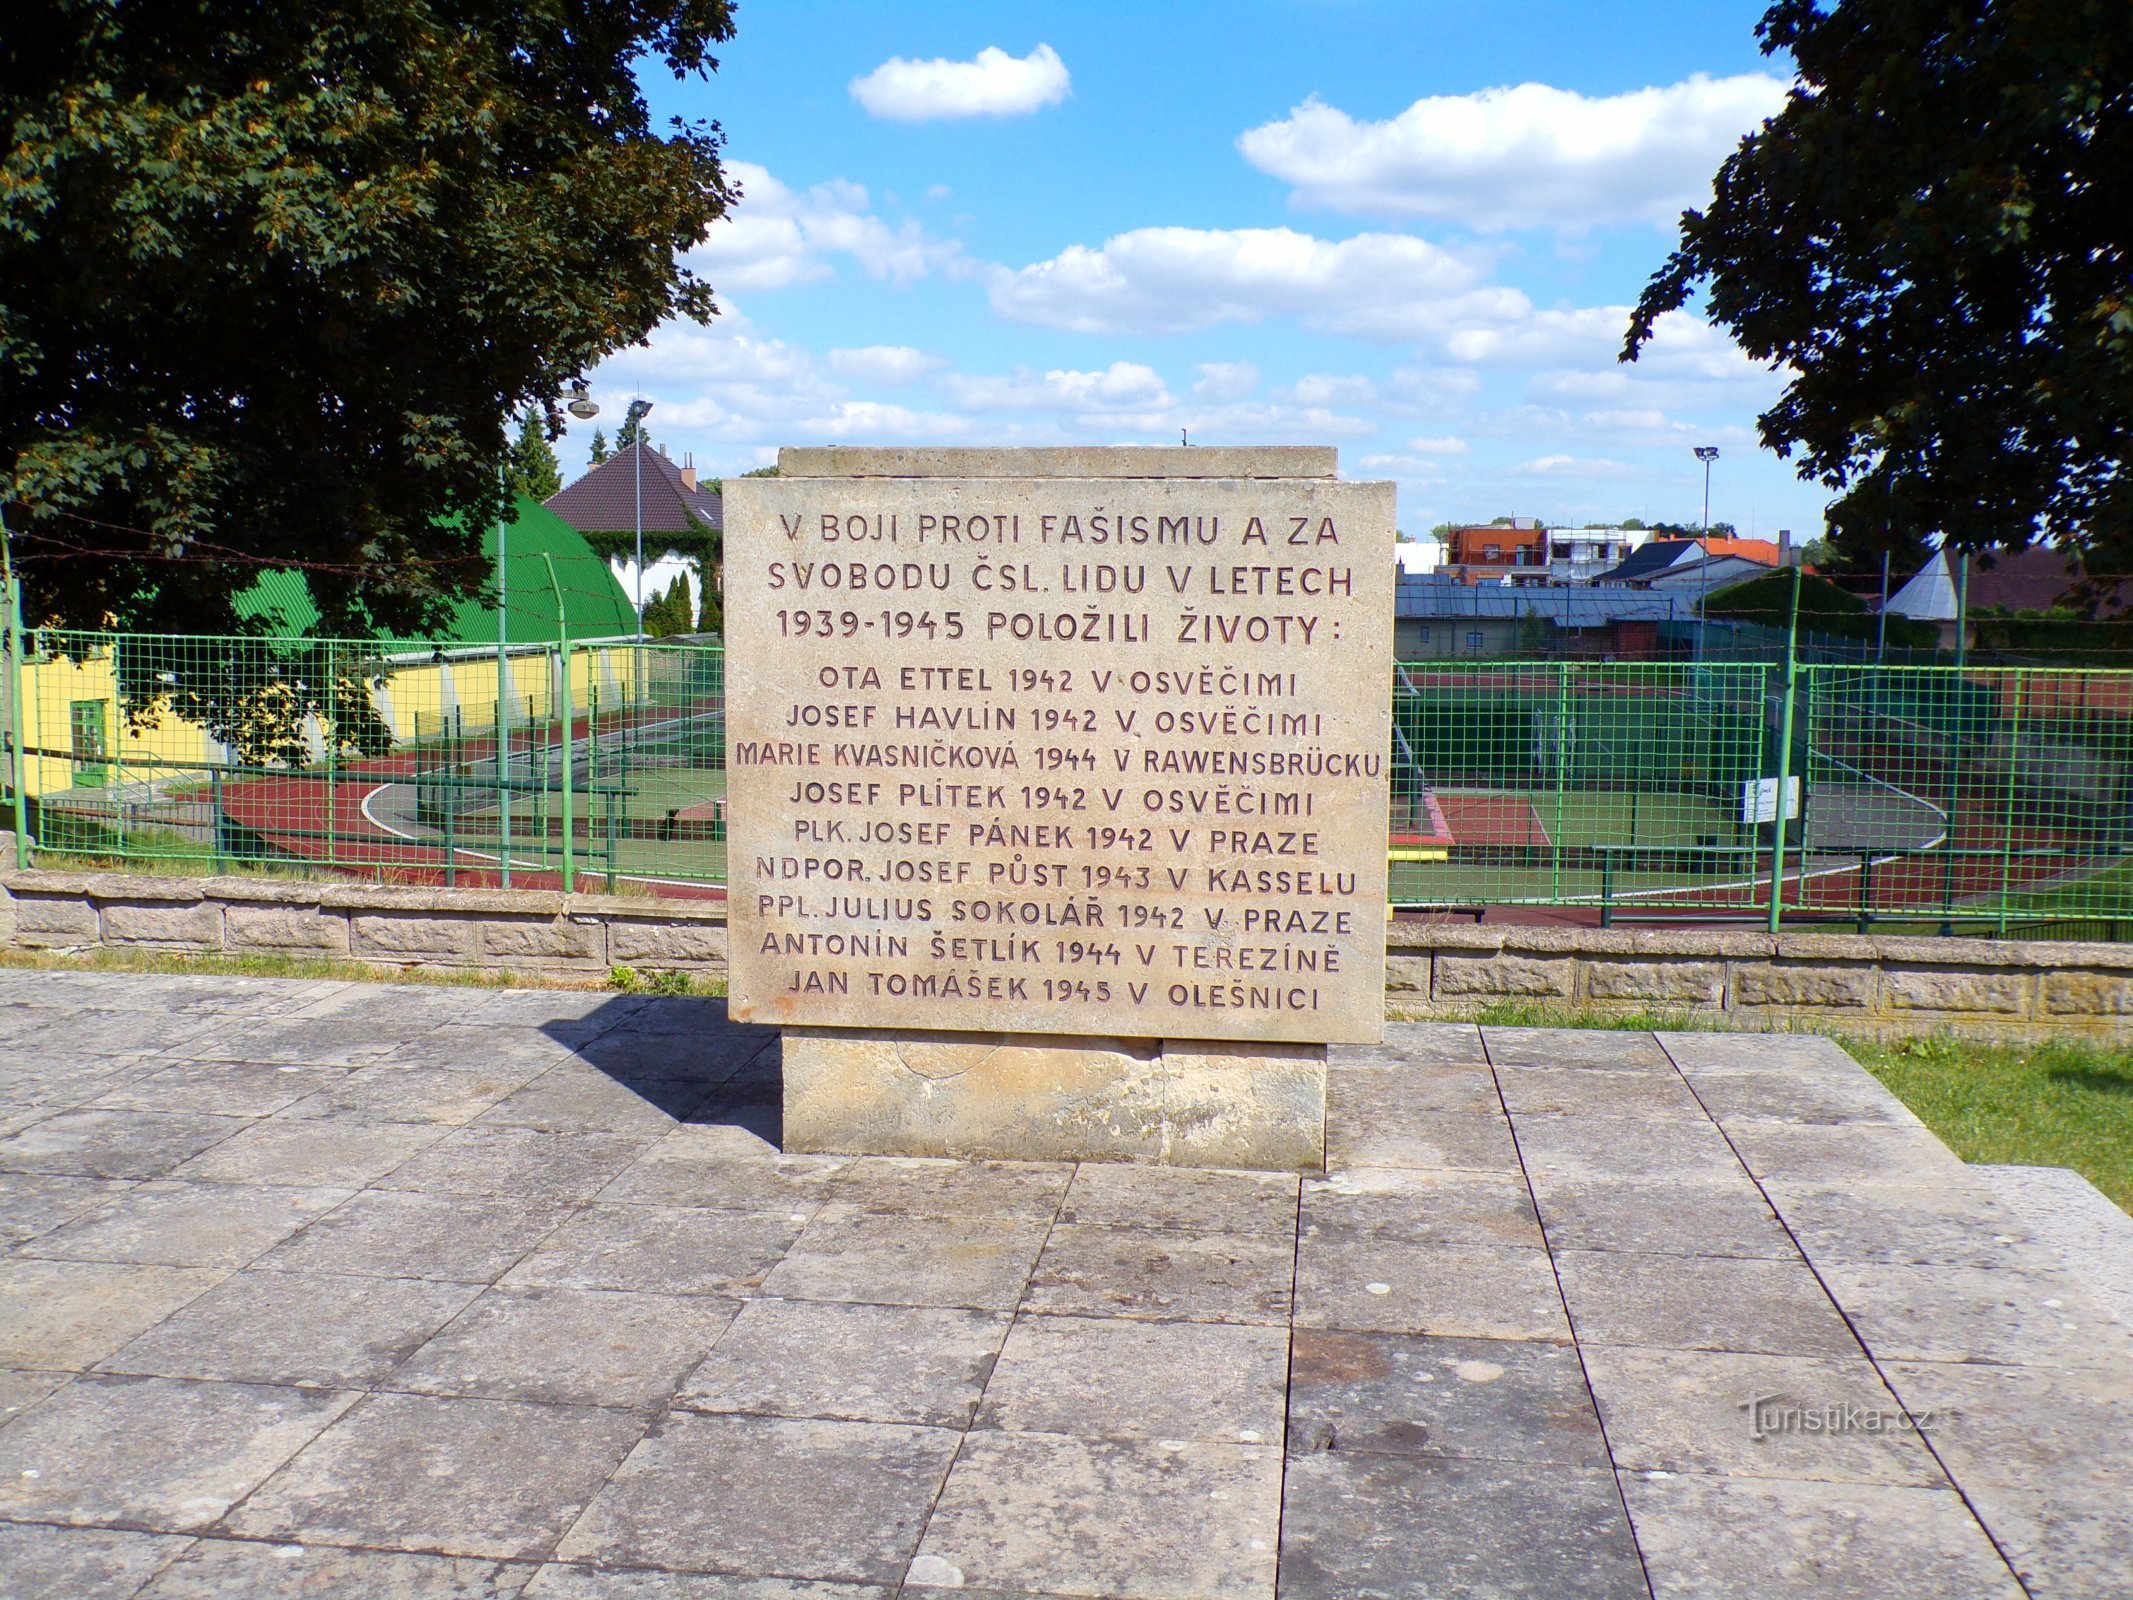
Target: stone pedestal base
1047 1097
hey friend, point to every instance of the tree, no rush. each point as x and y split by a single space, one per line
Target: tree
631 432
272 277
1932 235
532 469
669 613
600 452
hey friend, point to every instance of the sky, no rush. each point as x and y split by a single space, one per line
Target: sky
1408 228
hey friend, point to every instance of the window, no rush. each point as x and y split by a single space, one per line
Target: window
1493 552
1473 641
1422 635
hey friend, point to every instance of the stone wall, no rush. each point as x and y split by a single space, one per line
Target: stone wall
1840 982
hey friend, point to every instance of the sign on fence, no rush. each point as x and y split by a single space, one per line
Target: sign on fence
1759 800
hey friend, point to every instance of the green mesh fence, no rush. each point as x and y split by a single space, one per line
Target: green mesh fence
594 766
1990 800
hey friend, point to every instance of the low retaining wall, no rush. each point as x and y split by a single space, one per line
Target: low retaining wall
1840 982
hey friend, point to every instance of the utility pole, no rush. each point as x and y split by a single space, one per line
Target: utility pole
18 757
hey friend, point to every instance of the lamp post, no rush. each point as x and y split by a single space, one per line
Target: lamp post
1706 453
635 423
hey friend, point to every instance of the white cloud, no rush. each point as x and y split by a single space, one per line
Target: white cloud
777 235
1529 156
1122 386
885 363
1172 280
1438 447
1325 388
1225 380
996 84
1563 466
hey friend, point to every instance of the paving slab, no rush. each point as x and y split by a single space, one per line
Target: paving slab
1598 1091
1487 1399
850 1362
2074 1223
1587 1146
69 1315
21 1390
334 1332
769 1496
102 1143
558 1581
1165 1273
1360 1525
1037 1512
1800 1053
331 1153
2063 1546
223 1569
1774 1539
568 1347
1575 1047
444 1096
1424 1207
1114 1378
1941 1313
1369 1283
979 1262
1381 1118
171 1223
697 1166
225 1088
1776 1094
1864 1152
43 1562
1958 1224
919 1186
579 1099
162 1453
1410 1044
32 1203
1121 1194
659 1250
1700 1303
2028 1427
1726 1414
1717 1216
526 1162
383 1234
450 1476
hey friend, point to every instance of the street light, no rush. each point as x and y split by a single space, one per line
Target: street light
581 402
634 422
1706 453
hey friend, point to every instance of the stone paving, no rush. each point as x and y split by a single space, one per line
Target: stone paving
332 1290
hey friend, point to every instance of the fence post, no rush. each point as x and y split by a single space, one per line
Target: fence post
569 733
330 726
1562 766
2007 814
18 757
1783 809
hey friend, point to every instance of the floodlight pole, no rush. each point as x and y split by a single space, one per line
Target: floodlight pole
636 415
503 710
1706 453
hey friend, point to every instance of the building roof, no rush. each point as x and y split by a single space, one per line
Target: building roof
2041 577
593 602
1930 594
1426 599
1647 561
605 500
1661 556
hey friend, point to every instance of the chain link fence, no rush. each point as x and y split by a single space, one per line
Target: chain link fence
1918 798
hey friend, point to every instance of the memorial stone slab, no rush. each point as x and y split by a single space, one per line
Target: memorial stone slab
1057 795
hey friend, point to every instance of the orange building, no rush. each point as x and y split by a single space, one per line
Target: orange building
1492 552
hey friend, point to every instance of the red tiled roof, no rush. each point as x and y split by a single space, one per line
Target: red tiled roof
605 499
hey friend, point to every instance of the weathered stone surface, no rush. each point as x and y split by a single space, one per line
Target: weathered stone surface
851 1362
1114 1378
314 1151
1755 1416
568 1347
1371 1283
979 1262
694 945
1695 983
281 928
1361 1523
460 1477
334 1332
2086 994
1460 976
157 1452
1692 1216
1490 1399
808 1499
1774 1539
567 941
1661 1096
659 1250
100 1143
1056 1099
40 1559
183 926
217 1569
69 1315
1165 1197
1943 1313
1955 990
414 935
1032 1512
1151 1272
47 920
168 1223
1700 1303
1164 615
1833 987
451 1238
1423 1206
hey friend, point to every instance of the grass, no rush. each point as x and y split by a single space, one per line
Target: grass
2063 1104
